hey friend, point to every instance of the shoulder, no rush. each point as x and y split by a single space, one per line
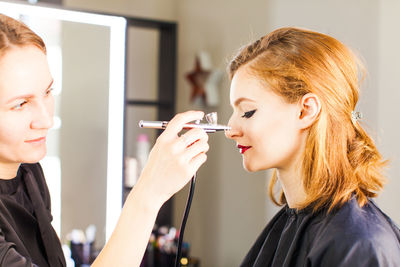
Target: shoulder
35 168
367 223
37 173
34 177
352 233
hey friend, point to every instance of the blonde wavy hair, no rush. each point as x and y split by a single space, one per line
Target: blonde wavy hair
340 159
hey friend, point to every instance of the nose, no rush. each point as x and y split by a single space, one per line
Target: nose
235 131
43 115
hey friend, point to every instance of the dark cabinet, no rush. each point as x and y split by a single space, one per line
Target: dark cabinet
150 86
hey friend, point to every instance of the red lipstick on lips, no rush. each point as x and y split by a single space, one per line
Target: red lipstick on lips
36 140
243 149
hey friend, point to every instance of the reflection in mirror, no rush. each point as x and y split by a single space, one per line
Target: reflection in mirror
83 136
83 166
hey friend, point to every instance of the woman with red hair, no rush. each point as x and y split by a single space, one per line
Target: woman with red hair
294 94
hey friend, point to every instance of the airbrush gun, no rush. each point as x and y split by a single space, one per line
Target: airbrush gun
210 127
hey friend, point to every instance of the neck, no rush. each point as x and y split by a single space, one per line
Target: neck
291 180
8 170
292 186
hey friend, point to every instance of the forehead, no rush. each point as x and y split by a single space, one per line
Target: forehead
246 85
23 70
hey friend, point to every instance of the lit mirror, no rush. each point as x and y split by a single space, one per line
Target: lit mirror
83 166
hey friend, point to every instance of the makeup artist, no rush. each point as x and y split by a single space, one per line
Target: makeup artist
294 94
26 114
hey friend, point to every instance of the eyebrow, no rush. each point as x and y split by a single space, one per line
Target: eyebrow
240 100
28 96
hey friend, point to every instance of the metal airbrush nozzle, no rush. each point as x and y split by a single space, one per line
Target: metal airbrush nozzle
210 127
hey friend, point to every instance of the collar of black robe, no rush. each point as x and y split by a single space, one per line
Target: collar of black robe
54 254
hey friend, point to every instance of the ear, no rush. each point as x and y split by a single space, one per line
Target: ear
309 109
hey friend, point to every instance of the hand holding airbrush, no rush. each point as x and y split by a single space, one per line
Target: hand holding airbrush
210 127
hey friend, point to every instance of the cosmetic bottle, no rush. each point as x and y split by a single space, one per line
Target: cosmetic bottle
67 253
131 172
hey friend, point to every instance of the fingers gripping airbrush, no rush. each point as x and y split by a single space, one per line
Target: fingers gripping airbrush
210 127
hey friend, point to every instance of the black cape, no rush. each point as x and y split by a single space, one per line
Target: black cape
28 239
349 236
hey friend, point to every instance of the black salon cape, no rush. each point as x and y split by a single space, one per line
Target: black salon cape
350 236
27 240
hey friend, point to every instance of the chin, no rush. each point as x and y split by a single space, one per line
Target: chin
34 157
253 167
248 167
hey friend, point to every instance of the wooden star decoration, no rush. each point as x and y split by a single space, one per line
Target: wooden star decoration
197 78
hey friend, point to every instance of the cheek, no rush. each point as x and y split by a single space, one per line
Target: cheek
12 129
271 131
10 141
276 142
50 105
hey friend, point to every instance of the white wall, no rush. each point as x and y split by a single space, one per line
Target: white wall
388 103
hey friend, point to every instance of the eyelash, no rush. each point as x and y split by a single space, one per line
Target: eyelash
49 91
248 114
19 106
